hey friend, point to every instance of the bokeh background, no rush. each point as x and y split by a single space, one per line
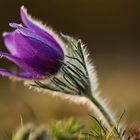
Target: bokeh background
111 30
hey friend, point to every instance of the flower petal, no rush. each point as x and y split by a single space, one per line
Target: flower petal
9 42
32 44
8 73
37 55
17 61
40 29
29 34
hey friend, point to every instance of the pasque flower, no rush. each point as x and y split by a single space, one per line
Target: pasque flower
34 48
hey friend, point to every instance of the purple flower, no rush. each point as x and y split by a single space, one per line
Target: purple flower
34 48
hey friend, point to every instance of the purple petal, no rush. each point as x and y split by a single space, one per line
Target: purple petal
37 55
9 42
39 28
29 34
6 72
17 61
31 45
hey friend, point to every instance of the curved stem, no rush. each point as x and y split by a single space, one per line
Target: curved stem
103 112
102 109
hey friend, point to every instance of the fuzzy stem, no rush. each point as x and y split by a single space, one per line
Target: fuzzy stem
102 109
103 113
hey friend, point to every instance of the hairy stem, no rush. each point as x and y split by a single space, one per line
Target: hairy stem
102 113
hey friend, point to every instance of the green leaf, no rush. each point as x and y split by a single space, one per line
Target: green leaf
66 130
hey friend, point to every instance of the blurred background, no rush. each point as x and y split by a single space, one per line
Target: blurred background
111 30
